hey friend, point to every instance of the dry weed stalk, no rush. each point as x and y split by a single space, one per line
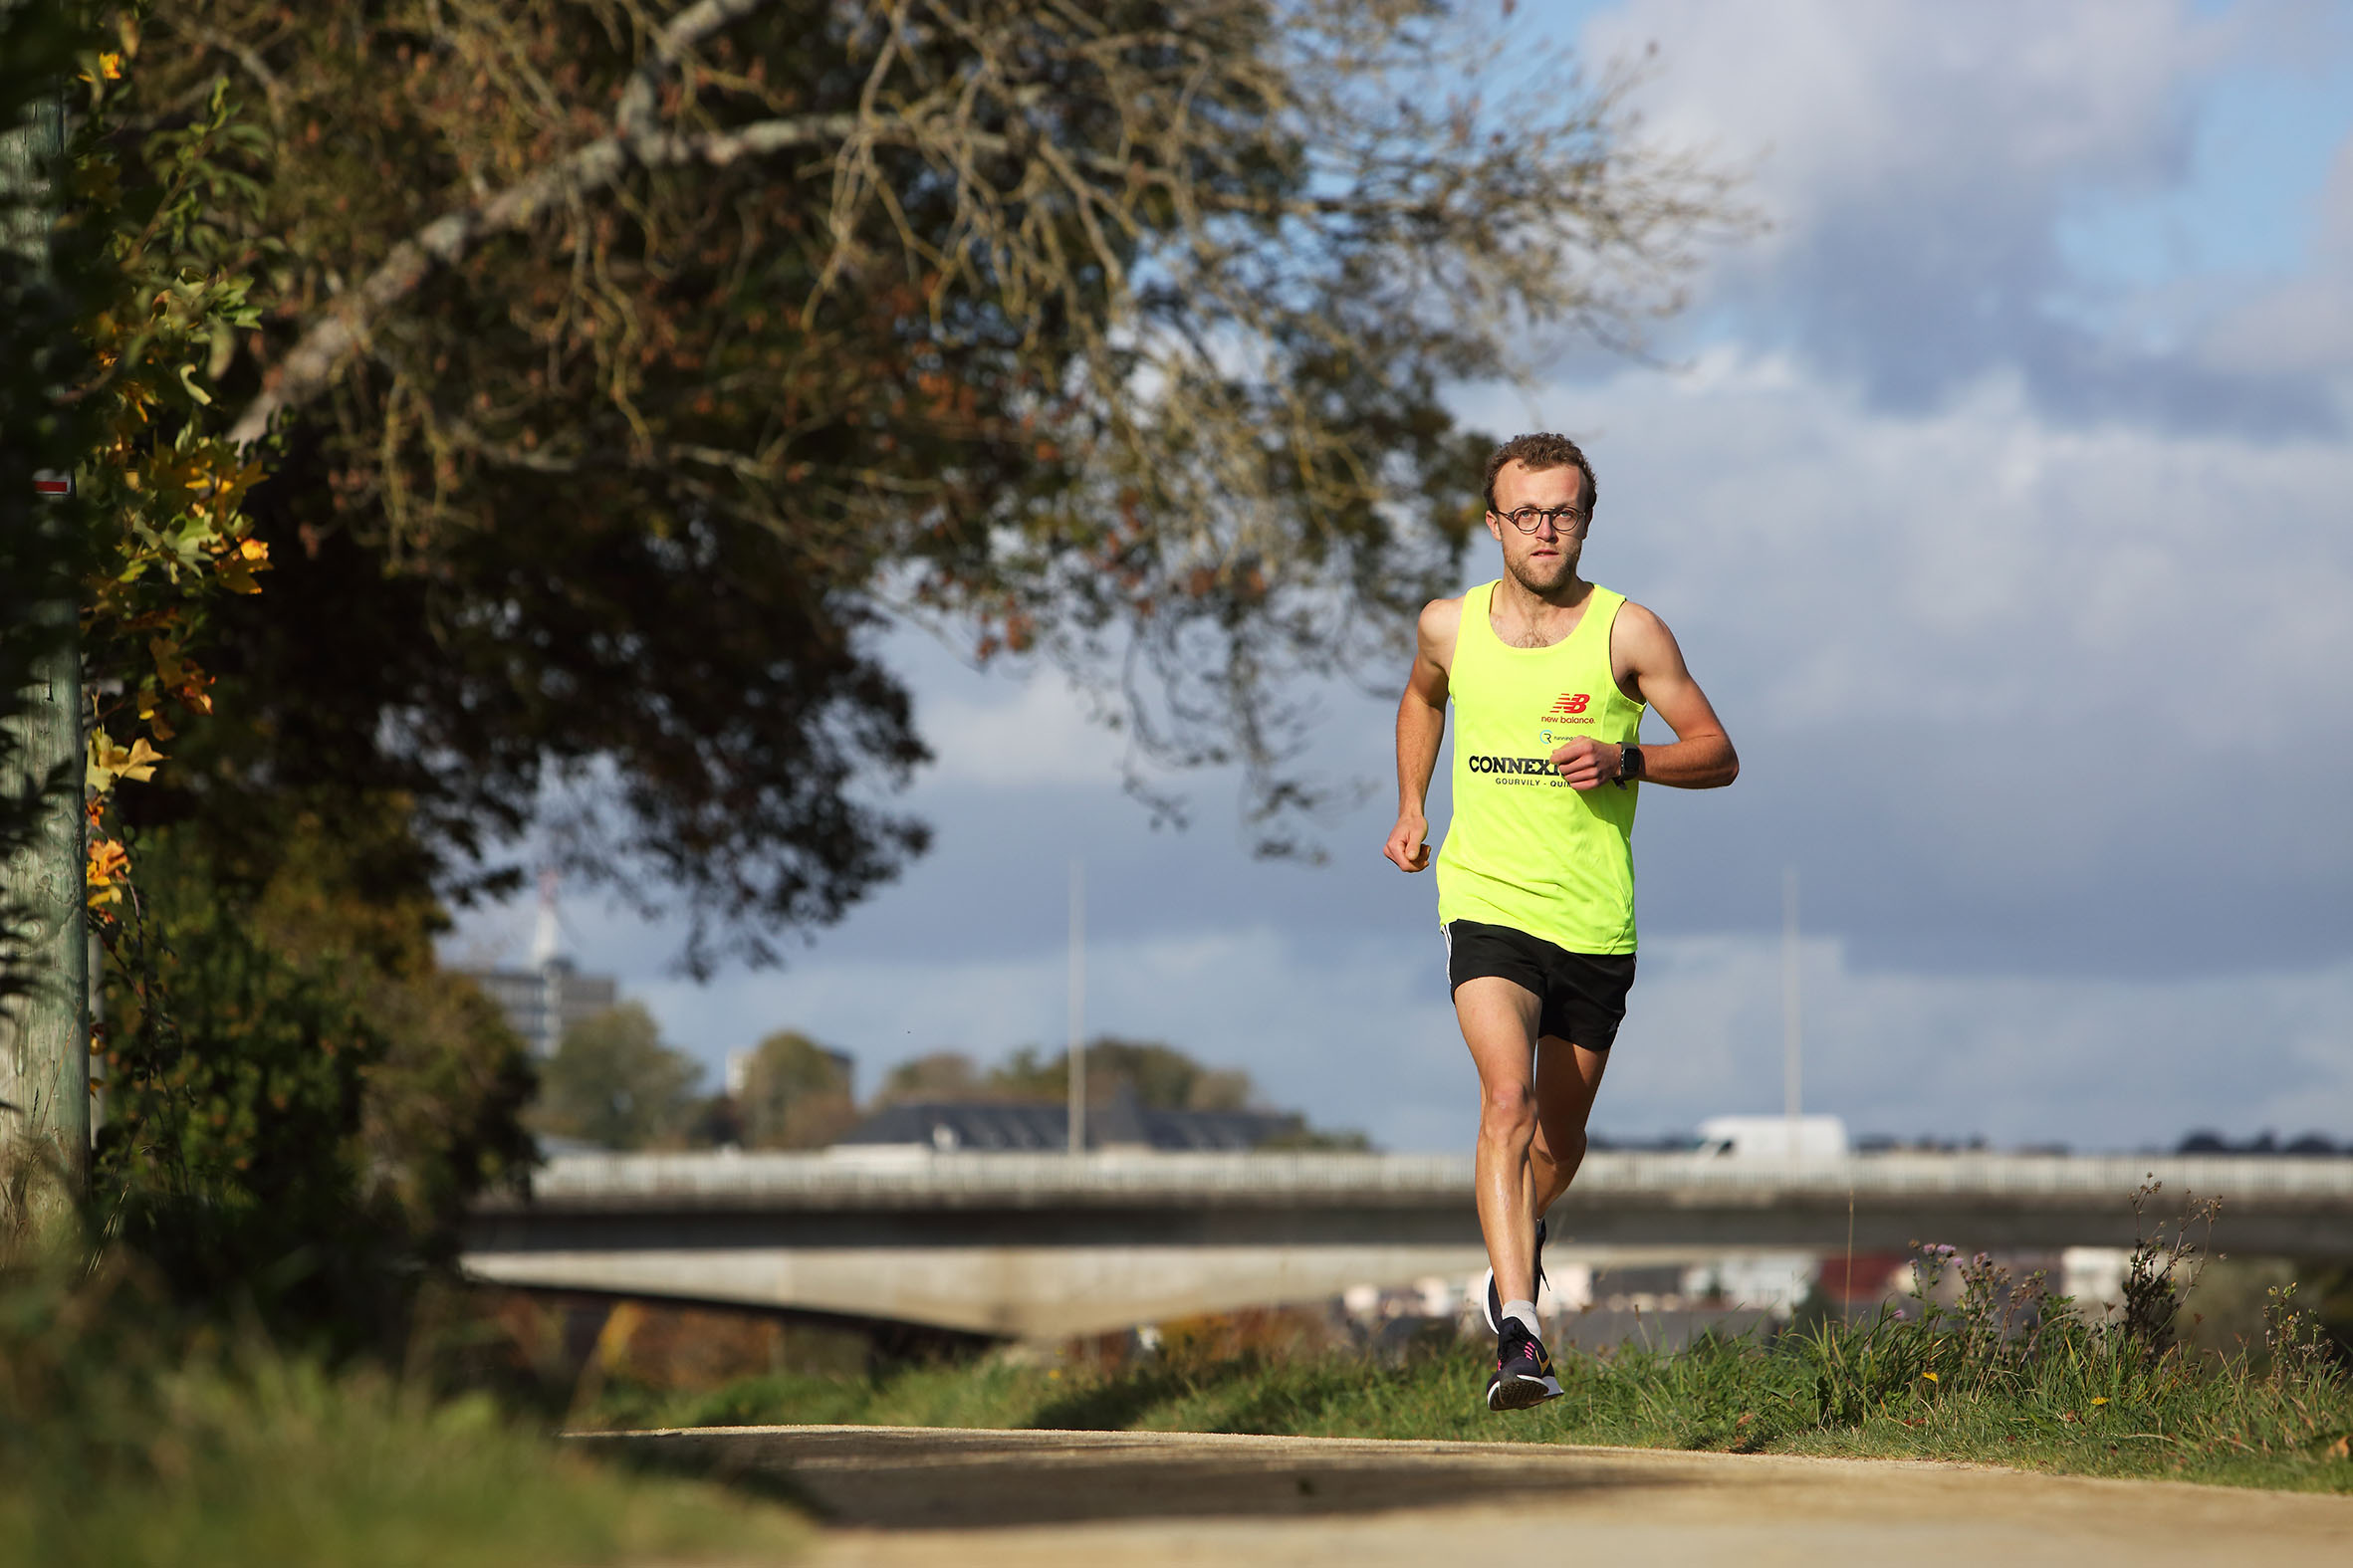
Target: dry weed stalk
2164 1267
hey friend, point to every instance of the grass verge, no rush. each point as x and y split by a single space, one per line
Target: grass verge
2007 1377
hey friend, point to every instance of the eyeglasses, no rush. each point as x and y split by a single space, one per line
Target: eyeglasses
1528 518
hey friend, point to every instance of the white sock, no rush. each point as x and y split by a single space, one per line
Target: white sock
1526 1311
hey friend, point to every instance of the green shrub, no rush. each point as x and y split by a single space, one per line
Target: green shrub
298 1102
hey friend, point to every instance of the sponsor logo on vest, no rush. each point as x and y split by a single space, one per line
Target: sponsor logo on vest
1479 763
1571 702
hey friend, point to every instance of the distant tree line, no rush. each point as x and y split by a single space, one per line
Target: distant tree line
2205 1141
615 1083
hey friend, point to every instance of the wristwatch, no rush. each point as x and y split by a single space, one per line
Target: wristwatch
1629 763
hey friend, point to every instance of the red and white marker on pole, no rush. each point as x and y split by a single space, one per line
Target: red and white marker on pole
50 484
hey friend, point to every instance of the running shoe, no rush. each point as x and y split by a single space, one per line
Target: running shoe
1495 1298
1522 1370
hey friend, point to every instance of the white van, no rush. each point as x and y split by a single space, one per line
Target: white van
1770 1137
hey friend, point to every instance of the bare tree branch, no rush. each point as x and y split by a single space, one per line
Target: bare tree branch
312 363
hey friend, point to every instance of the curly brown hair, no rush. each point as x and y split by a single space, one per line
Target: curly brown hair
1540 449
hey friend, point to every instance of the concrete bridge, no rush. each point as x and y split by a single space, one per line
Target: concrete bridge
1046 1246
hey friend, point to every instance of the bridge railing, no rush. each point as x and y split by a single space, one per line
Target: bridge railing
896 1179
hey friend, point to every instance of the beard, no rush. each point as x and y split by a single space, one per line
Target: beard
1531 575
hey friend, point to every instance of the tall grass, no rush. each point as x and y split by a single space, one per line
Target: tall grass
122 1442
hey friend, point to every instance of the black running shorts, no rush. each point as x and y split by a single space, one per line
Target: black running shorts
1582 995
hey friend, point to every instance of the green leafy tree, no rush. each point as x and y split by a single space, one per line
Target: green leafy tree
940 1075
234 1082
795 1096
1161 1076
441 1106
631 365
613 1083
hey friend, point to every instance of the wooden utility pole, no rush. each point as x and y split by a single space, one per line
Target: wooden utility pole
44 1031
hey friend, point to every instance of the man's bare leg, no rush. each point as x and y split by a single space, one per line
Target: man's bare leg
1567 1079
1499 1024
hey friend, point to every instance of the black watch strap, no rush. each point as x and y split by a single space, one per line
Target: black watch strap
1629 763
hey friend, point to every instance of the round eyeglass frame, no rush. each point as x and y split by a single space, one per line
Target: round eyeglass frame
1568 520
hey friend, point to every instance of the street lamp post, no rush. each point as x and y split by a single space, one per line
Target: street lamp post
1077 1069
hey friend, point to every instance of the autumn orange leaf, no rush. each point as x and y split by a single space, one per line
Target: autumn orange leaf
107 868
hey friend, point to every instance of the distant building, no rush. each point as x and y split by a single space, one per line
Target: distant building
541 1003
1013 1126
551 996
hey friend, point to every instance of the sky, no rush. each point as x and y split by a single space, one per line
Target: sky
1997 492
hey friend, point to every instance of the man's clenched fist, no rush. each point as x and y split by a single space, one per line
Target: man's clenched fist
1587 765
1408 847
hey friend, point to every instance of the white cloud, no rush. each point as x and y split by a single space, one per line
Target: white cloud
1974 105
987 729
1935 174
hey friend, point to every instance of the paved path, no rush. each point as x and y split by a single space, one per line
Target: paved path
1043 1499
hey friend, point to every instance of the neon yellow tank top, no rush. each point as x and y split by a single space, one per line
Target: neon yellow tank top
1524 851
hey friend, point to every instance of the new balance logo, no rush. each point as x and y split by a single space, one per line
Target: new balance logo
1571 702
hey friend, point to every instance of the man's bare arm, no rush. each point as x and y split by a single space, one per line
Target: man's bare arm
1421 725
1649 667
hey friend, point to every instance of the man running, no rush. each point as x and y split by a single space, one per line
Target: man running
1549 675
